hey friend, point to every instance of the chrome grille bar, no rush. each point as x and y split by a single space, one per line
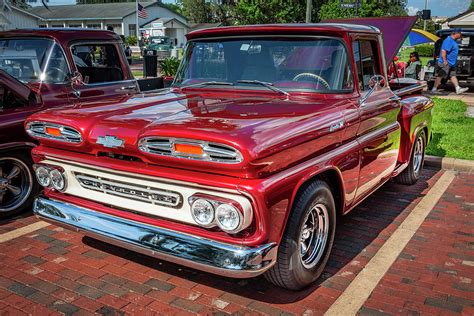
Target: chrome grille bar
130 191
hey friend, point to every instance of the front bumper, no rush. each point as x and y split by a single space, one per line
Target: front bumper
199 253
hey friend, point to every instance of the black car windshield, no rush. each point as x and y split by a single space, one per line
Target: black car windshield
33 59
307 64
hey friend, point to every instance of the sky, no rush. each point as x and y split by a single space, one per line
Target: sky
439 7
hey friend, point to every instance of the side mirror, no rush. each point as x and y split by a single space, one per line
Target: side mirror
376 82
75 77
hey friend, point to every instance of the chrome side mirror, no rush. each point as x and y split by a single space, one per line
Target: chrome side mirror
75 77
376 82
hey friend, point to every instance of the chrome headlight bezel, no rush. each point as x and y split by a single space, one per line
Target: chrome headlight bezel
68 134
211 151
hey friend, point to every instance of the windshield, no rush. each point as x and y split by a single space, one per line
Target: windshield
314 64
30 60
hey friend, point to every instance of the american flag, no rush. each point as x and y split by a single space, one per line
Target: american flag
142 12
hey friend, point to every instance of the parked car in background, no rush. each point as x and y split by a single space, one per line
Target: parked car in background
50 68
267 134
162 44
465 65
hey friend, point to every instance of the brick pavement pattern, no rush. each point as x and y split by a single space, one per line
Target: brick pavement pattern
55 271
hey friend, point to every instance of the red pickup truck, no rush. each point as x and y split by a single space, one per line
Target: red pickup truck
51 68
267 134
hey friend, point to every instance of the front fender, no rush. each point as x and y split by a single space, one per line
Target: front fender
16 146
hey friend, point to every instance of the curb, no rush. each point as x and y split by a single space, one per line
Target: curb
450 163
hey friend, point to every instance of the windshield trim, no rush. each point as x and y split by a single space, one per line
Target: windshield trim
48 38
279 35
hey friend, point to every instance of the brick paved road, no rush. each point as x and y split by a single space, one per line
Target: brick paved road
53 270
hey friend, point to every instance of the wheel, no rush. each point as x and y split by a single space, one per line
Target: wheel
308 238
411 174
18 186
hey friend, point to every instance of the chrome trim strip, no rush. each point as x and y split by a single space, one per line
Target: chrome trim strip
129 190
191 251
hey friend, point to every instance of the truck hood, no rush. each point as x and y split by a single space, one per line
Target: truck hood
258 127
394 30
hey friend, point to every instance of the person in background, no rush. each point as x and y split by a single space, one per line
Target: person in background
447 62
413 67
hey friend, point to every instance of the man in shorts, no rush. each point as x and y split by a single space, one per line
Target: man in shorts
447 61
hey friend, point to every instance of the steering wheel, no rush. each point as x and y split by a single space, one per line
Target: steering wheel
312 76
56 73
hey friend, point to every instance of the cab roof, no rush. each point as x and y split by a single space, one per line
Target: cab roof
63 35
293 28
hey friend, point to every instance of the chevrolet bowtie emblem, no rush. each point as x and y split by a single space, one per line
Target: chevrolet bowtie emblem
110 141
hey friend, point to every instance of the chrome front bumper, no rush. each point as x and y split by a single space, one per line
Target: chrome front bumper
191 251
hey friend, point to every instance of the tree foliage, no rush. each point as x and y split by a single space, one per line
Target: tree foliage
332 9
472 5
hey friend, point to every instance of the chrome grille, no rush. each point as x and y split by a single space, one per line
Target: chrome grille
68 134
211 151
130 190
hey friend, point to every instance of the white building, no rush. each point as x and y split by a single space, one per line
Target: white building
36 3
13 18
121 16
463 20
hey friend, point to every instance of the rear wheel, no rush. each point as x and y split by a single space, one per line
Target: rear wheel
411 174
308 238
17 183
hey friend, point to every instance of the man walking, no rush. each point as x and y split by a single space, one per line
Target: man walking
447 60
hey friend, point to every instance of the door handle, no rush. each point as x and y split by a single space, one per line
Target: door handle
129 87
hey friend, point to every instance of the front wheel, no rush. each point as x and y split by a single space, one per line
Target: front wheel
308 238
412 173
17 183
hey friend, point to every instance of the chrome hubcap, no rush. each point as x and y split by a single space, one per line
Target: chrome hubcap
15 183
418 155
314 236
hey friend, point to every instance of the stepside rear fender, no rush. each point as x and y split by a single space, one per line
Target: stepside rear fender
416 114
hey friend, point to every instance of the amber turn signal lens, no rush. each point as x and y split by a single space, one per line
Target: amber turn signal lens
188 149
53 131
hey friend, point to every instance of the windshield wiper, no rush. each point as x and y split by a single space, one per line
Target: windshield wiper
265 84
208 83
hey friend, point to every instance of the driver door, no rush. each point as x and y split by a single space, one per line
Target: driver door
104 75
379 130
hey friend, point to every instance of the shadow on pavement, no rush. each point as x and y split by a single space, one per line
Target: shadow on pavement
355 232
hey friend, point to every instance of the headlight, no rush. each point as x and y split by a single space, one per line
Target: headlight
57 179
228 217
42 174
202 212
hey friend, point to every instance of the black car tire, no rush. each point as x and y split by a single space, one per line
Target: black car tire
412 172
16 176
294 270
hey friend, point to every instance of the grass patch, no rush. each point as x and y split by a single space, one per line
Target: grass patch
137 73
453 132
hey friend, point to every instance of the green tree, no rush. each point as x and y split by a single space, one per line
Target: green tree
369 8
472 5
273 11
196 11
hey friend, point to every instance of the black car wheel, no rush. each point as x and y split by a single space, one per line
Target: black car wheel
17 183
308 238
412 172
